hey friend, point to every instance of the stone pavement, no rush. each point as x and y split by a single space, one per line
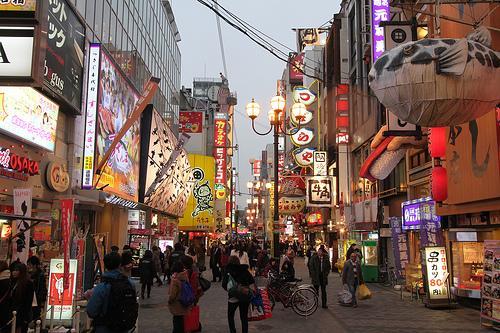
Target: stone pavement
385 312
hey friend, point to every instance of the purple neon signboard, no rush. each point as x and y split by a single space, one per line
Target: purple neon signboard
380 12
417 211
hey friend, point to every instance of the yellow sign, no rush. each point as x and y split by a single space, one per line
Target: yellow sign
199 213
18 5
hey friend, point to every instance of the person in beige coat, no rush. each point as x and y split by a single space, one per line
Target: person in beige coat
174 305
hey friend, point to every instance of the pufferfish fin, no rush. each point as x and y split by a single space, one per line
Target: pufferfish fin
452 61
481 35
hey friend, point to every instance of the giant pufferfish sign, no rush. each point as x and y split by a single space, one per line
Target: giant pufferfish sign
439 82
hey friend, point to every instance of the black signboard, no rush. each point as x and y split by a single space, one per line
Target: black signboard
64 59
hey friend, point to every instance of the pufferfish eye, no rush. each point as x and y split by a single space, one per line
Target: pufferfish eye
409 50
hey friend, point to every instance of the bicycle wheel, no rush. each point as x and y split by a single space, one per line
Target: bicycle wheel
304 302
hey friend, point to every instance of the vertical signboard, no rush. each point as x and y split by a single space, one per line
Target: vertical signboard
22 207
91 117
296 68
490 289
437 272
67 206
399 245
319 191
220 155
64 60
380 13
61 299
320 164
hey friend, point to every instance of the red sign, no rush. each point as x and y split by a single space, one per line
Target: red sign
342 138
191 121
17 167
56 295
220 155
256 167
67 206
296 67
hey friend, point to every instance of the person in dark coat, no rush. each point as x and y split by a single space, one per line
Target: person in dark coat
22 293
243 277
352 276
5 297
319 268
39 282
215 254
147 272
176 255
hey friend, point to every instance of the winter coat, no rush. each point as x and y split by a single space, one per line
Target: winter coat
175 257
288 270
243 258
315 272
98 304
174 304
22 301
147 270
215 254
239 273
5 298
348 276
157 261
39 283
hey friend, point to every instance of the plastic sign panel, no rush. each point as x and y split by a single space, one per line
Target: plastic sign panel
29 116
304 156
303 136
490 288
304 96
437 272
16 51
415 211
319 191
59 297
91 117
220 155
18 5
380 13
296 68
191 122
320 164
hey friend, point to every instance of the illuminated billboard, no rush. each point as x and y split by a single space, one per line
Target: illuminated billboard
29 116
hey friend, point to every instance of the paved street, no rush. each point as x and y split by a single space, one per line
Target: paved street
385 312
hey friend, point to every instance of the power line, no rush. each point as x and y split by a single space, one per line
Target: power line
261 44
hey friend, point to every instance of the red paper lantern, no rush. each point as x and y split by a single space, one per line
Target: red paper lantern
439 184
437 142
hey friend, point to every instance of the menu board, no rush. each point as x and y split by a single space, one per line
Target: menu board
490 290
437 272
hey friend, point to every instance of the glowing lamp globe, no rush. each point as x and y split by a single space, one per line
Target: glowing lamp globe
253 109
299 111
273 116
437 142
439 184
277 103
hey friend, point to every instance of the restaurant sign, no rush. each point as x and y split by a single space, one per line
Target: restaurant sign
437 272
17 167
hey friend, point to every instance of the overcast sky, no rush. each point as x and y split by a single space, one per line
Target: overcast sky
252 71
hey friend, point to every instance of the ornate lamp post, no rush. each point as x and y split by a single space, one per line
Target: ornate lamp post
277 107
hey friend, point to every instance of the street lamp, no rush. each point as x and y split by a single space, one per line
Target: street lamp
277 106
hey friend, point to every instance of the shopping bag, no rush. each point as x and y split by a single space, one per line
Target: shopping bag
364 292
344 296
268 310
255 312
192 319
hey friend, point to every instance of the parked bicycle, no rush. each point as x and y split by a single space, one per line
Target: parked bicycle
302 298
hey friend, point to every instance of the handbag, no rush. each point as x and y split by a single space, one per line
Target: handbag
192 320
204 283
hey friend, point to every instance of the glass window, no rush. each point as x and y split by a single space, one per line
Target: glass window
80 6
105 23
89 12
98 19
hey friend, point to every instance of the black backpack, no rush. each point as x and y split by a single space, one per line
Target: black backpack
123 308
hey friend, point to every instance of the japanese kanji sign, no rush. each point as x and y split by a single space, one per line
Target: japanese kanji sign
296 67
380 13
302 136
91 117
437 272
319 191
220 155
304 156
64 60
320 163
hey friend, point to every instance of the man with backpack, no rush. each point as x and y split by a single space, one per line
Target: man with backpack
113 305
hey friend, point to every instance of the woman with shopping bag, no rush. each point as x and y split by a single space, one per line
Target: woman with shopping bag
240 286
352 276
